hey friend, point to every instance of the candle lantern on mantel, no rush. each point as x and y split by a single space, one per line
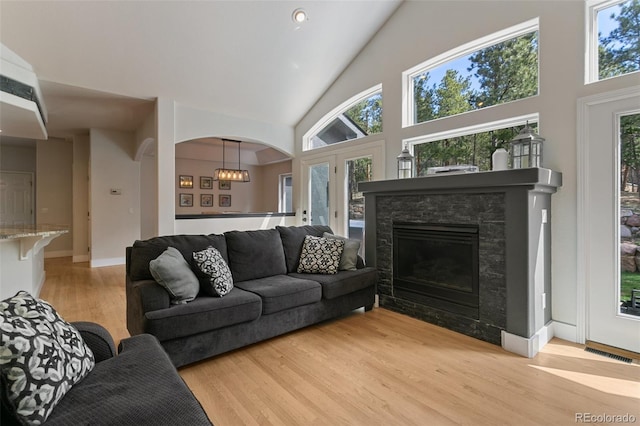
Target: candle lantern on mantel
405 164
526 149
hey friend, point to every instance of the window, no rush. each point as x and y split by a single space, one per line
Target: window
285 191
356 118
469 146
613 38
499 68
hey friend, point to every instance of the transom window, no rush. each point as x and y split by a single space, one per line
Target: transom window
613 38
471 146
495 69
353 119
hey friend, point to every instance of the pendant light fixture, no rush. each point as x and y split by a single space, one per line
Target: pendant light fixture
235 175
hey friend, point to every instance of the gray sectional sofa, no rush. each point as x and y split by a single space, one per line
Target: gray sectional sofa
269 297
138 386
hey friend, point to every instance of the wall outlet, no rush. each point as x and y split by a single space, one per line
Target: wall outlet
544 300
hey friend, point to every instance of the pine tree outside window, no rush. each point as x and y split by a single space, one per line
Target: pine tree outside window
492 70
613 38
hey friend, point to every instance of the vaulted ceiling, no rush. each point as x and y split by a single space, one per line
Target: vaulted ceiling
101 64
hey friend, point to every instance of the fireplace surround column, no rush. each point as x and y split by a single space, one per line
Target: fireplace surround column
512 211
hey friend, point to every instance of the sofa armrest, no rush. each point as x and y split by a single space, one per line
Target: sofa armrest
97 338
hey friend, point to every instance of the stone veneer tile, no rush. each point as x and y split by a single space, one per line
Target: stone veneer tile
487 211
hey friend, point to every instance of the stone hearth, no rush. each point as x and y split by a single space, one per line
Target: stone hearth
511 209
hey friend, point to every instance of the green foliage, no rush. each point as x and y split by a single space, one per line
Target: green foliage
367 114
619 52
507 71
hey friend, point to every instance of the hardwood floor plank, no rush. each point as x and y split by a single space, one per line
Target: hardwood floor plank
373 368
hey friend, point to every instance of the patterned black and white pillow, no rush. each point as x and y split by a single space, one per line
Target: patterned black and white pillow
41 357
320 255
219 280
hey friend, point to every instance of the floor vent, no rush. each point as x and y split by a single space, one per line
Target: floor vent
609 355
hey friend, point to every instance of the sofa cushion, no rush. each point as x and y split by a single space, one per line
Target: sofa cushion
204 313
349 259
255 254
174 274
344 282
43 356
293 239
320 255
144 251
282 292
140 386
217 280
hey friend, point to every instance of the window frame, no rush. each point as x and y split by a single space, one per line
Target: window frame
334 113
591 60
281 192
408 110
470 130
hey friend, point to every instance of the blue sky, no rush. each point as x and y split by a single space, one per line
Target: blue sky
605 25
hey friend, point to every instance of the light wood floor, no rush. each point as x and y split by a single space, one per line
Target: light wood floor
374 368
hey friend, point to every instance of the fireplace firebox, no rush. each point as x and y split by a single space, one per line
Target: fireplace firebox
437 265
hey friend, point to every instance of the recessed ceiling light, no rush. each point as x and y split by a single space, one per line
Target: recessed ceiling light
299 16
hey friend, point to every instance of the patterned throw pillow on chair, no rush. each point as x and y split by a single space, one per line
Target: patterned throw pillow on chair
218 280
41 357
320 255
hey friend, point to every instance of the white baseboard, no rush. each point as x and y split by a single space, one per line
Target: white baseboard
81 258
57 253
97 263
565 331
527 347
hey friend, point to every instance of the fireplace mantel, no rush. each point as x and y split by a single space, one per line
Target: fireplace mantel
513 211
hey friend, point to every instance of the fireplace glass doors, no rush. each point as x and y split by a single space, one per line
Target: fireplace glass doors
437 265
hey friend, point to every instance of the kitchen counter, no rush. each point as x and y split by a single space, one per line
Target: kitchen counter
22 257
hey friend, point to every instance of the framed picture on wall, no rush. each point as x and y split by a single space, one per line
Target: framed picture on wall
224 200
206 182
185 181
186 200
206 200
224 184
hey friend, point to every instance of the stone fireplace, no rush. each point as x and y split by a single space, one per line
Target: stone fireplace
468 252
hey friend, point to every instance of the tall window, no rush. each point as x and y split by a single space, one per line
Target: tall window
467 147
615 38
356 118
499 68
285 204
629 207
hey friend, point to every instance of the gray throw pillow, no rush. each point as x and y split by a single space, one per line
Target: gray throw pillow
173 273
320 255
349 259
219 280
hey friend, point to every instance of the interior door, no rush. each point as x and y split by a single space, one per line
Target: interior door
16 198
600 228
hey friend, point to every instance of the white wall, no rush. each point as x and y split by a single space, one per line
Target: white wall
14 158
193 123
148 197
81 198
421 30
54 192
115 219
270 184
